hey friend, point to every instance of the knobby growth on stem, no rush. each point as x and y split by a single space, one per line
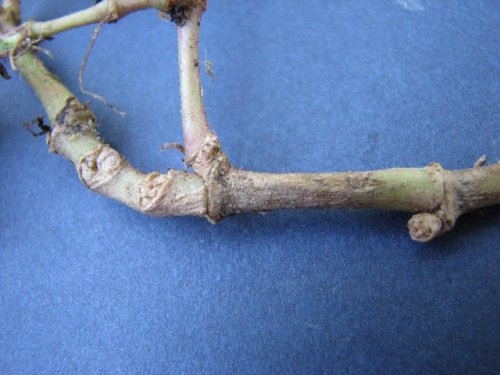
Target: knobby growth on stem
215 189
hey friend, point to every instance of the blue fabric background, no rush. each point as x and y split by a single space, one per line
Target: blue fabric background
90 286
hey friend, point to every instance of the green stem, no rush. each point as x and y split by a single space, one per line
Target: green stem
217 189
49 90
106 10
194 123
100 168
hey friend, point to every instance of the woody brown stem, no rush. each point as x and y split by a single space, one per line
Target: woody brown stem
216 189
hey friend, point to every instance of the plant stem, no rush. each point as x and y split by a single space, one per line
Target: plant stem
106 10
439 195
101 168
217 189
194 123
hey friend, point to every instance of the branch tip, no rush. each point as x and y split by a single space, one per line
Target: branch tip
424 227
480 162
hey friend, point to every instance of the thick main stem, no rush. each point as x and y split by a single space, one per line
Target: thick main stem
401 189
101 168
217 189
438 196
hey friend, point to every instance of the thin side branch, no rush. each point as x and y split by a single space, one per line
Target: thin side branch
104 11
194 123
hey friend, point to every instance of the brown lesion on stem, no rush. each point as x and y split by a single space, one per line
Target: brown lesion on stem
74 118
180 11
216 189
99 167
103 170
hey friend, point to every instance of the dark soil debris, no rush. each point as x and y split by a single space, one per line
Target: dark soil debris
179 13
75 118
3 72
38 122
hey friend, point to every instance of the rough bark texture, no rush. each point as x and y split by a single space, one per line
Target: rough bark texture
101 168
216 189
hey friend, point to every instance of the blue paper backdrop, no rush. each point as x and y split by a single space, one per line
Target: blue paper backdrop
90 286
